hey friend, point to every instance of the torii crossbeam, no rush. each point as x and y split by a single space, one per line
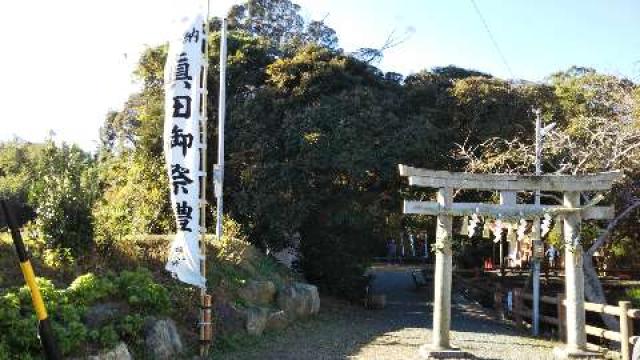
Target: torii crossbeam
573 212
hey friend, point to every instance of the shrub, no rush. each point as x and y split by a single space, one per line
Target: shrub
142 293
62 195
89 288
634 296
335 258
66 308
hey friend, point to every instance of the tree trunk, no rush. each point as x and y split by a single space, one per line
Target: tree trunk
594 292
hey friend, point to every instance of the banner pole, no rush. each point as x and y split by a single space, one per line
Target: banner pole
206 332
219 171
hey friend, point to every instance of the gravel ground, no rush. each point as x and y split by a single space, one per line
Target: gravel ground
342 331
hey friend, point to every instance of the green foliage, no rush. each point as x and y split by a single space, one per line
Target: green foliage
62 192
130 327
280 22
90 288
142 293
469 253
633 295
17 162
316 135
66 308
134 184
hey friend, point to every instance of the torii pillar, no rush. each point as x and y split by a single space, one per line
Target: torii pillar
508 184
440 347
576 347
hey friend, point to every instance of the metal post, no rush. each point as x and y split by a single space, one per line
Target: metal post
536 240
219 170
507 198
45 332
501 248
206 332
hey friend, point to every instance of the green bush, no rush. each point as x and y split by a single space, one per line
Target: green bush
633 295
89 288
142 293
66 308
62 195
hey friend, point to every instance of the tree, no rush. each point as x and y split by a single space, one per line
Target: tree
17 163
598 132
317 32
62 194
280 22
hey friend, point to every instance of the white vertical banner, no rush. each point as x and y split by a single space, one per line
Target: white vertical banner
183 147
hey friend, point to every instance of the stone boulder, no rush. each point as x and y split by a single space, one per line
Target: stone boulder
229 319
256 320
120 352
277 320
299 300
101 314
161 339
258 292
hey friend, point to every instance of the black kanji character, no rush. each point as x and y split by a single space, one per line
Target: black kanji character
179 178
192 35
182 71
182 107
183 213
178 138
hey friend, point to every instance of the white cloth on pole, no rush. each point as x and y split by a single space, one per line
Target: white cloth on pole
182 147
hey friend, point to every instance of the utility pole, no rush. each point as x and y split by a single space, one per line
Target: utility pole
536 238
535 235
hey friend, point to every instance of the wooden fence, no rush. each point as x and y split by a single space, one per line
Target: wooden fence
623 312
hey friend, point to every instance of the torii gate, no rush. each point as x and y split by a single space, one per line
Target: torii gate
508 209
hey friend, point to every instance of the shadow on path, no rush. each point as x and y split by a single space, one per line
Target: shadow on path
343 331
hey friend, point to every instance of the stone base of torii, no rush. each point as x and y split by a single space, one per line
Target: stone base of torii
508 185
428 352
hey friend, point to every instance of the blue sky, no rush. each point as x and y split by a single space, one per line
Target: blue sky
66 63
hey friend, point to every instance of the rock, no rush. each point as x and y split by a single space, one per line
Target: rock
101 314
161 339
229 319
256 320
120 352
376 301
277 320
288 257
258 292
299 300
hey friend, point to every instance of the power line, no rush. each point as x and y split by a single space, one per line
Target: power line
493 40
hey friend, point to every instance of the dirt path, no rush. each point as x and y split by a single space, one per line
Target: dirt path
348 332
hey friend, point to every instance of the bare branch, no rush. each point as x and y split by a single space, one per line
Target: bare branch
602 239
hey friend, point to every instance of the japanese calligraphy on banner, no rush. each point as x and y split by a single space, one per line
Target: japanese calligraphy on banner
182 146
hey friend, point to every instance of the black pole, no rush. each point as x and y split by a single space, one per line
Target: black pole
45 332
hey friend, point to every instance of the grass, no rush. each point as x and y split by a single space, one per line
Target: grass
230 265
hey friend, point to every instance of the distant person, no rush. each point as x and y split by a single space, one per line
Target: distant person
551 255
391 250
412 244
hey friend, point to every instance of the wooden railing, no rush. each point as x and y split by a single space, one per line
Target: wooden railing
623 312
